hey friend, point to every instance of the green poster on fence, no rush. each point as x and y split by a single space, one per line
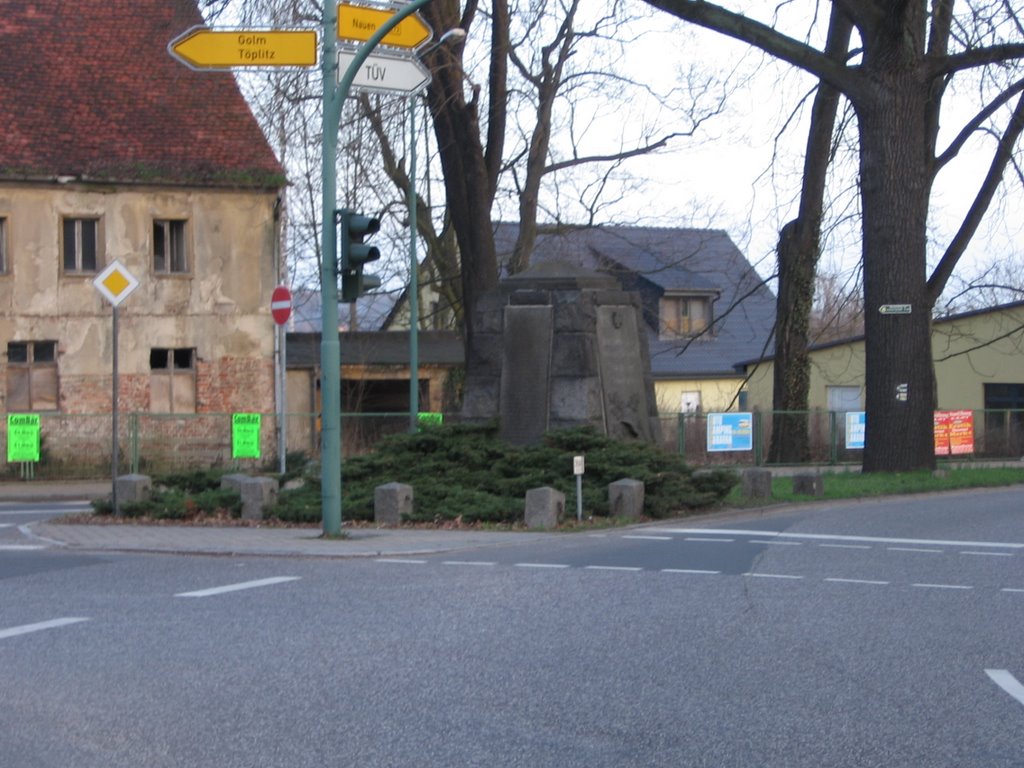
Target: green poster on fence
22 437
429 419
245 436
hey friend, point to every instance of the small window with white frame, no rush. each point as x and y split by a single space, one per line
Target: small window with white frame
170 246
81 245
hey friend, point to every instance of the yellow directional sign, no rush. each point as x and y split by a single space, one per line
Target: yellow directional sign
358 22
202 48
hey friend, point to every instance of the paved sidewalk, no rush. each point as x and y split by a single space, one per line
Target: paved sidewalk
238 540
300 542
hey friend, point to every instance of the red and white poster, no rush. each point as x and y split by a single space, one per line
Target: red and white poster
954 433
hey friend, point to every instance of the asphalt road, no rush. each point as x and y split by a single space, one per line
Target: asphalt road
866 634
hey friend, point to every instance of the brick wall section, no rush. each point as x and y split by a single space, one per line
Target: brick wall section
232 384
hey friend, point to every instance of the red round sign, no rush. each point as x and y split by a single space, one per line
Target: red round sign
281 304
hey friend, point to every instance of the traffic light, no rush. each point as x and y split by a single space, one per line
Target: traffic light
354 229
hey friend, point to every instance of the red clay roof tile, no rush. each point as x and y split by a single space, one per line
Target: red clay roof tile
88 89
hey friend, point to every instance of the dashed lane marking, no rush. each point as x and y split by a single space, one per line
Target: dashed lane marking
238 587
26 629
1007 682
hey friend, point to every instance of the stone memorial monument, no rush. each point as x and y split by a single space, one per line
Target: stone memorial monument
560 346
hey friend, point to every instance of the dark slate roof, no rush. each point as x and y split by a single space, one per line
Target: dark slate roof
386 348
372 310
88 90
654 261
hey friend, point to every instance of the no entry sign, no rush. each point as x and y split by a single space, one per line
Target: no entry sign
281 304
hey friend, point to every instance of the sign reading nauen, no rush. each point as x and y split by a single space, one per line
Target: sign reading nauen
202 48
358 22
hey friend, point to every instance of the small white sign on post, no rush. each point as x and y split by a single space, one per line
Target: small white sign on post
577 465
577 469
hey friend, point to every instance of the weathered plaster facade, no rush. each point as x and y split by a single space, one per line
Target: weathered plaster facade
218 306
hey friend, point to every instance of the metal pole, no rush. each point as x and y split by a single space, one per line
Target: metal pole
330 348
414 280
113 438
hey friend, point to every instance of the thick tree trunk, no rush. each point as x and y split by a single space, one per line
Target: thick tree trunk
895 188
798 256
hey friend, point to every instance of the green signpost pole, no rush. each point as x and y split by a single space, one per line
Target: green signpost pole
330 346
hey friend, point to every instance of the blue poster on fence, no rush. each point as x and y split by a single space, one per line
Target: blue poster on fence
730 431
855 430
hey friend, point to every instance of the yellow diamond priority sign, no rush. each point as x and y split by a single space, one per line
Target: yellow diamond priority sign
115 283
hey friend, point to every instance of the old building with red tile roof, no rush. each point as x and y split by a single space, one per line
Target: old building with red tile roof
112 153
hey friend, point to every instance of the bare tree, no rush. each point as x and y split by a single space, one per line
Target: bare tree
911 52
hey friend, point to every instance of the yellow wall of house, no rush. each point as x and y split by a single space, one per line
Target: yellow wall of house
715 394
220 306
968 353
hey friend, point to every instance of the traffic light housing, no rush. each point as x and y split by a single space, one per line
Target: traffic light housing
354 229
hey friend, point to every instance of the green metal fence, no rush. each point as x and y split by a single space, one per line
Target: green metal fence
998 434
76 446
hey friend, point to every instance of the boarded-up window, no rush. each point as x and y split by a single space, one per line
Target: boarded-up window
32 381
172 380
683 316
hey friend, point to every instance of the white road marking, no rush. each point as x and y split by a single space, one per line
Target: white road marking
6 525
942 586
649 538
541 565
705 538
772 576
400 561
835 537
238 587
690 570
611 568
25 629
856 581
1007 682
989 554
846 546
20 547
468 562
777 543
914 549
1011 589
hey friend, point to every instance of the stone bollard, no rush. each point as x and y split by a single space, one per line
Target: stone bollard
233 482
544 507
133 488
626 498
392 502
808 484
756 483
257 493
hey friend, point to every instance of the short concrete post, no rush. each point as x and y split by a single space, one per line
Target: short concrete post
133 488
808 484
756 483
257 493
544 507
233 482
392 502
626 498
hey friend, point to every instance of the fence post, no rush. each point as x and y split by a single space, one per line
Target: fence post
758 431
133 440
681 434
833 439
